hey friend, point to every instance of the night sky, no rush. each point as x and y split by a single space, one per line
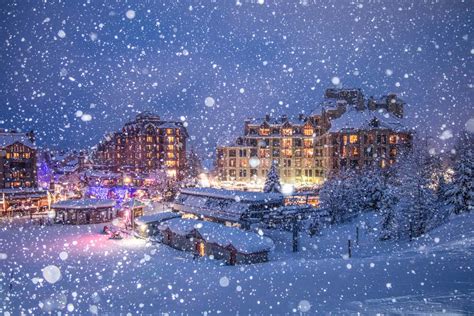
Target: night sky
74 70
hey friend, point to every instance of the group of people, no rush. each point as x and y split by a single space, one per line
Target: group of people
112 234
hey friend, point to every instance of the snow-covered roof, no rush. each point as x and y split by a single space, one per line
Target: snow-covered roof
10 138
293 120
102 174
243 241
363 120
83 204
239 196
156 218
133 202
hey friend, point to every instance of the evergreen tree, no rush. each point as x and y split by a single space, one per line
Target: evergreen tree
272 183
339 196
460 195
390 223
416 198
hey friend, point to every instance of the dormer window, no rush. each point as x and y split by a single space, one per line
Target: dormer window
308 131
264 131
287 131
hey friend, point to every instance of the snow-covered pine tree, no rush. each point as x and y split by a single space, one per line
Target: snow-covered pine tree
390 222
441 210
339 197
272 183
416 198
460 195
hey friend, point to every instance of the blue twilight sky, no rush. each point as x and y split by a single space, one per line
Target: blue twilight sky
74 70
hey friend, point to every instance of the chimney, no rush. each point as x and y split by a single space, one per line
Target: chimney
267 117
31 136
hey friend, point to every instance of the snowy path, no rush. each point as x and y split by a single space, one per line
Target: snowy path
109 276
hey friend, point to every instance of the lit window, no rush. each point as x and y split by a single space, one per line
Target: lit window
308 143
170 163
149 139
353 139
393 139
287 131
308 131
308 152
170 139
264 131
169 131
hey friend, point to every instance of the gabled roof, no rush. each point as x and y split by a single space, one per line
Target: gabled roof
7 139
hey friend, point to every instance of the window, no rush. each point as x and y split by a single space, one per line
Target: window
26 155
393 152
243 173
253 172
264 131
243 163
232 163
170 163
232 153
170 155
287 131
232 173
243 153
308 152
170 139
353 139
308 143
149 139
308 131
392 139
286 143
264 153
170 147
355 151
16 155
286 153
169 131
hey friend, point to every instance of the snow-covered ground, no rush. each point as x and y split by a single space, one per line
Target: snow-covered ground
98 275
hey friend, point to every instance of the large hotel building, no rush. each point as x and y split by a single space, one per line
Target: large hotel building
345 131
143 145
